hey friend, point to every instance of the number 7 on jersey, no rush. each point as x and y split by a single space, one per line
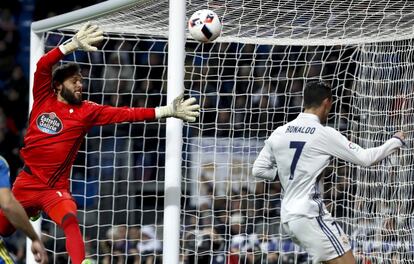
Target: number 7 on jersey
298 146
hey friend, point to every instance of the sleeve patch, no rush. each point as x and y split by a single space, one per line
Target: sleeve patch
353 147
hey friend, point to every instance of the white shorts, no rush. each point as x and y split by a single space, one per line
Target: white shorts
321 237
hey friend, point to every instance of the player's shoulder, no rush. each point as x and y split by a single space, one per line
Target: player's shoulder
279 130
4 166
330 130
3 162
329 133
89 104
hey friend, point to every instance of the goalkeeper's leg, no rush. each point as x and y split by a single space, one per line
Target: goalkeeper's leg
64 214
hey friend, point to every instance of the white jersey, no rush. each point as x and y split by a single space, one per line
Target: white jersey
299 151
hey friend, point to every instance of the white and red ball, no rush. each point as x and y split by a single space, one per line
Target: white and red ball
204 25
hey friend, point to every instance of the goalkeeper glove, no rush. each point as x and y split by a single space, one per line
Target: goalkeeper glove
186 110
84 38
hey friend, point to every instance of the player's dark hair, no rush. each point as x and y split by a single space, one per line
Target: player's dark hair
315 92
61 73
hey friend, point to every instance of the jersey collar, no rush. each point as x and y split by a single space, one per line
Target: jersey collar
309 116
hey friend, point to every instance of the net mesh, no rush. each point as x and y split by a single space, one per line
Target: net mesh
248 82
383 202
320 22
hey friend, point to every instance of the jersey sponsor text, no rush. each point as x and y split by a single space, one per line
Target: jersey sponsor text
49 123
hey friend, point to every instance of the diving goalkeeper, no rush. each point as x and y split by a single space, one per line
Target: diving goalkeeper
58 123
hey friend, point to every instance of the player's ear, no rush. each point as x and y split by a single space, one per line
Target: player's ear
57 86
327 102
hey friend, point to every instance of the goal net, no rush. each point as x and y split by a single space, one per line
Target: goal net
248 82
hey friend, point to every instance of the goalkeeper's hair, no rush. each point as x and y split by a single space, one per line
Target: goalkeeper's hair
61 73
315 92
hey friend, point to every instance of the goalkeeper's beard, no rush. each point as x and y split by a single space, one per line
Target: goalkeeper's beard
70 96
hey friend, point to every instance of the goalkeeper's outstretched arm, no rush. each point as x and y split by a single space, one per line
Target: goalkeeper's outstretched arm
85 39
97 115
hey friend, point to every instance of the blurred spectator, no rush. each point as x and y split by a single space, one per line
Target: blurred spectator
9 43
134 237
149 246
204 246
149 242
9 142
114 247
16 97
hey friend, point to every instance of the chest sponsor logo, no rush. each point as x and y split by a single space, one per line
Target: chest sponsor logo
49 123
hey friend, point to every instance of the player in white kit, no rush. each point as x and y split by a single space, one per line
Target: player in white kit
298 152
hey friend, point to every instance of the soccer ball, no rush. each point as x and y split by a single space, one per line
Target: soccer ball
204 25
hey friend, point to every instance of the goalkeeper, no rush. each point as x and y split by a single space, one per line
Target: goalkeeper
298 152
58 124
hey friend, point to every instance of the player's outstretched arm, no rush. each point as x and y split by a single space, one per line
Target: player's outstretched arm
84 39
337 145
18 217
187 110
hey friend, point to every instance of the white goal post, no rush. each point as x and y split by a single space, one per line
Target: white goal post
190 185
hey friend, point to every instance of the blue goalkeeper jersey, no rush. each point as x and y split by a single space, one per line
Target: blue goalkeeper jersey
4 173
